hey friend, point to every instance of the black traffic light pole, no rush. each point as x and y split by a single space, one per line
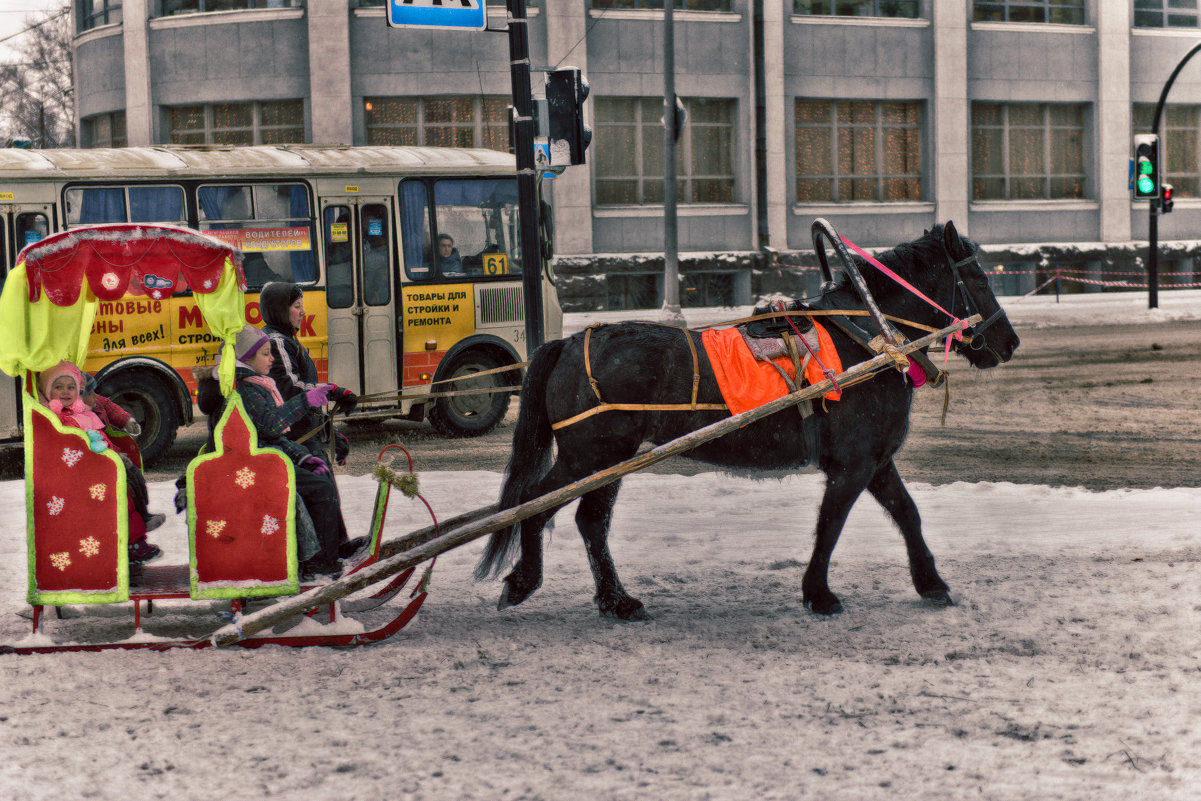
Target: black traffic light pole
527 187
1153 220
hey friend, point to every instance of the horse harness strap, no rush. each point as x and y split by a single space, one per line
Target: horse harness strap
808 420
869 343
691 406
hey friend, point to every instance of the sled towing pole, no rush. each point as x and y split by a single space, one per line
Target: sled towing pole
422 546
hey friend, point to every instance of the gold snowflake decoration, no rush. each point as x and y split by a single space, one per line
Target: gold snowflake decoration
244 478
270 525
214 527
61 560
97 491
89 546
55 505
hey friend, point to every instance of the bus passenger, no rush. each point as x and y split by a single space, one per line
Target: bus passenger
59 389
273 418
282 306
450 263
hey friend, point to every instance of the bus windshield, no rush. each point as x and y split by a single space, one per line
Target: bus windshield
473 230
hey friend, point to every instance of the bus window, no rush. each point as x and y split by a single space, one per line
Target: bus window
377 279
339 258
31 227
270 223
148 204
414 227
481 216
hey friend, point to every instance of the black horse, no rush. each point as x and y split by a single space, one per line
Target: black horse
643 363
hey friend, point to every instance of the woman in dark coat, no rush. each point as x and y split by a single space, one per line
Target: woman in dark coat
281 305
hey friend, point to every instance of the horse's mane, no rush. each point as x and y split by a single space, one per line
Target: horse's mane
924 253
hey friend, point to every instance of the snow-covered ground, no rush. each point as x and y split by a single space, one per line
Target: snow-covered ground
1069 668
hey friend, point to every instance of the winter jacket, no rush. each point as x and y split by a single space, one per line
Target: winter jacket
271 421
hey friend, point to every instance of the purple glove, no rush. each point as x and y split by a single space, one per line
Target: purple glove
314 464
318 395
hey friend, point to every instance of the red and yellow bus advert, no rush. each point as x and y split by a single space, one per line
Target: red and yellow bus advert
260 240
174 332
442 315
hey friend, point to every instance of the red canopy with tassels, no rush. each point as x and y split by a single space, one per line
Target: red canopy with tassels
125 259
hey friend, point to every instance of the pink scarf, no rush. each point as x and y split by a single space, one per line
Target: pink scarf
84 417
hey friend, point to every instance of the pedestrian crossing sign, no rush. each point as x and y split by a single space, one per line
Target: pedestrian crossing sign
449 14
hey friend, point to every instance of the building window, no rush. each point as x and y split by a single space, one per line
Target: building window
200 6
1064 12
626 291
1028 151
629 151
1177 14
94 13
909 9
657 5
105 130
858 151
438 121
706 289
273 122
1179 145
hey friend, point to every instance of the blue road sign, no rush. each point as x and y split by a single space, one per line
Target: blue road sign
451 14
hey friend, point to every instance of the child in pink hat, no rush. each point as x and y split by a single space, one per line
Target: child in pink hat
60 389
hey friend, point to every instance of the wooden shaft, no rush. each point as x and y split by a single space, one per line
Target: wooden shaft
498 520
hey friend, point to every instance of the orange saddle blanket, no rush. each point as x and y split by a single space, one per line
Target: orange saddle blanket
746 383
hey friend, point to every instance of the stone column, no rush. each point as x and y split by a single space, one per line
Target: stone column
139 96
1113 121
951 167
329 72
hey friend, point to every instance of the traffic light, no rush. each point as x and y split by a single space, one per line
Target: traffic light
1146 167
1165 204
566 90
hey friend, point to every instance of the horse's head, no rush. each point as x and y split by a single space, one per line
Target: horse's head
993 340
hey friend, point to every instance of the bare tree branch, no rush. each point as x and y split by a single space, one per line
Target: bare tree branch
36 92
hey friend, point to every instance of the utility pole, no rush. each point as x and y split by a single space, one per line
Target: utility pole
527 187
670 314
1153 220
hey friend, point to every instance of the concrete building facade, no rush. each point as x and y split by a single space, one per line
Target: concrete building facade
1013 118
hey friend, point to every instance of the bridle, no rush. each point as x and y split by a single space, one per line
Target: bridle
974 334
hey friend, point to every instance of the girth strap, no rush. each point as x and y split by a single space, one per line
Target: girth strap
691 406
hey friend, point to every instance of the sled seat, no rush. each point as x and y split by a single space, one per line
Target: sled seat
77 526
241 515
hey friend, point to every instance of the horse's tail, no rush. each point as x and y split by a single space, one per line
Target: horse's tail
531 457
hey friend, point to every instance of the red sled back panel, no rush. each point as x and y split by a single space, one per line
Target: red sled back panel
241 515
77 511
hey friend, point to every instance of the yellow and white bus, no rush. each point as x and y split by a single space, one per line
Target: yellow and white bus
358 228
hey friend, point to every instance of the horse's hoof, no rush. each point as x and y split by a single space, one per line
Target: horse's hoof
627 610
826 606
939 598
510 597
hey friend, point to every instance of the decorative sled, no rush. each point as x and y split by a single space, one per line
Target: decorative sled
241 510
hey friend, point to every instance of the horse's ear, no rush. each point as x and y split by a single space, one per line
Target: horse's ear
950 237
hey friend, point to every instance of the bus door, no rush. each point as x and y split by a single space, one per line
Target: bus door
22 224
359 294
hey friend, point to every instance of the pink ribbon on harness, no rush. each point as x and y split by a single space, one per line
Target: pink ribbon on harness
958 335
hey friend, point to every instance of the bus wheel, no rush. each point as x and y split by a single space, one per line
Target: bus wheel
470 415
151 404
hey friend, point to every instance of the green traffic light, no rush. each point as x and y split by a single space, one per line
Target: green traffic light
1145 185
1144 166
